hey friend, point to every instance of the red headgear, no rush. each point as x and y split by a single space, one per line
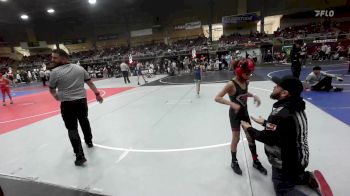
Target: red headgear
251 64
244 66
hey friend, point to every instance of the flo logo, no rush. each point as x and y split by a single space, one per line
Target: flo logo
324 13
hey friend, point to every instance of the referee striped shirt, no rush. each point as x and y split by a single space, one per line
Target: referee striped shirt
69 81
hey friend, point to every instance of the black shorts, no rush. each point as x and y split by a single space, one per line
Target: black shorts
235 119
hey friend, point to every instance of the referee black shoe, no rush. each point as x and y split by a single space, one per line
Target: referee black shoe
80 160
89 144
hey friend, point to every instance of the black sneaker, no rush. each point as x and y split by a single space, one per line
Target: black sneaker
89 144
80 161
236 168
337 89
257 165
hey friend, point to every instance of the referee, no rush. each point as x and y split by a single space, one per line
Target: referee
295 58
67 86
125 71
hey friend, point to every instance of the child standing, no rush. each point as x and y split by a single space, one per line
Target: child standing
5 89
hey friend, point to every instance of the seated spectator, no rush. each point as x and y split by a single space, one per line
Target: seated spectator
318 80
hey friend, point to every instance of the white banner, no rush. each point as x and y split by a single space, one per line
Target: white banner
180 27
325 40
29 45
189 25
193 25
142 32
249 17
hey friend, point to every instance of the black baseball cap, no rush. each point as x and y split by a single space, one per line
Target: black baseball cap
290 84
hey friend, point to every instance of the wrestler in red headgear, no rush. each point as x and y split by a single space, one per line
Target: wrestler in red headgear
5 88
237 89
245 66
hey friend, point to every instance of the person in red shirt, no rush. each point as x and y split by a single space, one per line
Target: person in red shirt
11 78
340 50
5 89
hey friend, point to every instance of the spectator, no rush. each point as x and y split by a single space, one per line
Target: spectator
323 52
18 77
254 56
318 80
340 50
328 52
43 76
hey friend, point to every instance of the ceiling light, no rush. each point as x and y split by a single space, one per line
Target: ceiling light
92 2
24 17
50 11
3 0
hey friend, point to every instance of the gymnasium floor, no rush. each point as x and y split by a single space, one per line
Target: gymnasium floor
160 139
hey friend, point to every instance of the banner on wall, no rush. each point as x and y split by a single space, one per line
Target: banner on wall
193 25
74 41
325 40
30 45
107 37
142 32
234 19
189 25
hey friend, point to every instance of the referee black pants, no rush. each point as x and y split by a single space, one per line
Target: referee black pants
284 184
296 69
72 112
126 76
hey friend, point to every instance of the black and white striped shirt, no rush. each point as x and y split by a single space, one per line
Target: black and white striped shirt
69 80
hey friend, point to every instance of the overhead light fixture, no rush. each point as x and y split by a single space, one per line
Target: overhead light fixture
92 2
3 0
24 17
50 11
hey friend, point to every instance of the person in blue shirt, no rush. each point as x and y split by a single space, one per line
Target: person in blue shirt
197 77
